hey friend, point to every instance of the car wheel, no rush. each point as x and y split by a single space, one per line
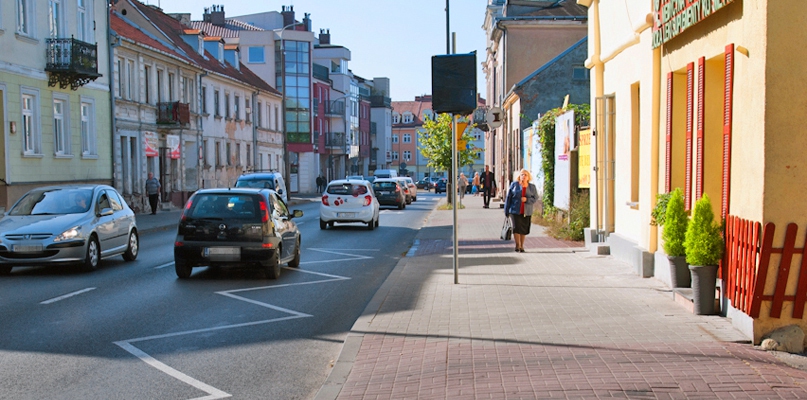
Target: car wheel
4 270
134 247
401 206
183 269
377 220
322 224
371 225
273 265
295 262
93 256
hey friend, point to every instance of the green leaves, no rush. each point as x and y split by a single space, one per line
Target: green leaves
704 242
435 144
675 224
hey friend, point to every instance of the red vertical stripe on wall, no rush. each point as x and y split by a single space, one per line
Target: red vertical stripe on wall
668 172
690 101
728 92
701 108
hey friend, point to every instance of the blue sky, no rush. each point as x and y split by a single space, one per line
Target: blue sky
387 38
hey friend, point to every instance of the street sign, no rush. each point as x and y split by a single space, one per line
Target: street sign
494 117
461 127
462 145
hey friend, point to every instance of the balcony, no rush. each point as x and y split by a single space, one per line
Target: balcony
335 142
173 113
380 101
71 62
336 107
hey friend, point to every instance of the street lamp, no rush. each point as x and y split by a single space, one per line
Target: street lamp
286 164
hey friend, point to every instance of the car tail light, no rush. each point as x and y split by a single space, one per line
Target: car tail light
185 210
368 200
264 211
397 189
325 200
179 244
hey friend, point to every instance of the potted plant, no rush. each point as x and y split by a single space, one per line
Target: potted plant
704 250
673 235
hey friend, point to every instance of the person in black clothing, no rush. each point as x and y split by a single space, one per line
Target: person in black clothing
320 183
488 181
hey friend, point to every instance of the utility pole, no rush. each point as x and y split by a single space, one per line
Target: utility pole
448 35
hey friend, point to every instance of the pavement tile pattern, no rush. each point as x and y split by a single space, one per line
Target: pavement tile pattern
554 322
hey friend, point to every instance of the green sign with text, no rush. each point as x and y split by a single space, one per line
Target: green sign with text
671 17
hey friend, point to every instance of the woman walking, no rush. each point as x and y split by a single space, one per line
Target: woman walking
475 184
518 207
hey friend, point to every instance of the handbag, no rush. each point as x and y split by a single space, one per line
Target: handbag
507 229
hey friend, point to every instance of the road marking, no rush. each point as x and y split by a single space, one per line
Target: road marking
55 299
165 265
413 249
352 256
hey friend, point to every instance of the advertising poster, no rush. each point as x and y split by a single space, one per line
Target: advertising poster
532 157
584 160
152 144
172 141
564 143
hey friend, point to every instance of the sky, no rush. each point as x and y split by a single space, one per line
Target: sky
387 38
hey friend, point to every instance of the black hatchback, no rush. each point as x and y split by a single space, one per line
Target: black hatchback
389 192
239 226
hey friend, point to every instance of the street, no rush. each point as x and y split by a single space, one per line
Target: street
135 331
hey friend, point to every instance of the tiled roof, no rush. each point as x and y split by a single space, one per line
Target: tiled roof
173 29
229 30
562 8
124 29
421 103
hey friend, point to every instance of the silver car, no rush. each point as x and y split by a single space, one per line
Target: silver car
74 224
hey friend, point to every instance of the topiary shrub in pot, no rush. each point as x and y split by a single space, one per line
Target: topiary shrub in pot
673 235
704 250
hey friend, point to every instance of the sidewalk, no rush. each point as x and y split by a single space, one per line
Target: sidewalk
554 322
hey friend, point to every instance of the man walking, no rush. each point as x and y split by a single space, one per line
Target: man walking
488 186
153 191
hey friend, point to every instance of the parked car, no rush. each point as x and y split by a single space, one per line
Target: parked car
423 183
407 189
68 224
264 180
244 226
433 180
346 201
413 189
440 186
389 192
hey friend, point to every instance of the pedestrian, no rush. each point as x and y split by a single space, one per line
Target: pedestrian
462 184
475 188
153 191
518 207
320 183
488 182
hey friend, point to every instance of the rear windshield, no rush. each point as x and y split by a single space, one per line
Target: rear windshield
347 189
256 183
224 206
384 186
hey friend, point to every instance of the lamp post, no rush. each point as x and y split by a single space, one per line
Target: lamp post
286 164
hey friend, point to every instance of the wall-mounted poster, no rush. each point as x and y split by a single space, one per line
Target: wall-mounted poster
172 141
151 141
584 159
564 143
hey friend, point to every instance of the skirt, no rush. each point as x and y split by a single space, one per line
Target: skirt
521 223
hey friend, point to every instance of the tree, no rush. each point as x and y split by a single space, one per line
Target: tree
435 145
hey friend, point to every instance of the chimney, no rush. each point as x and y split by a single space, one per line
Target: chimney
307 22
288 15
214 15
324 36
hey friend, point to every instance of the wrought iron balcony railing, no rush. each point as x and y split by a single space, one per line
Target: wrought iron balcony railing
71 62
335 140
173 113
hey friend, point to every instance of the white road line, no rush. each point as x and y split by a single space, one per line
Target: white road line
413 249
213 392
55 299
256 302
164 265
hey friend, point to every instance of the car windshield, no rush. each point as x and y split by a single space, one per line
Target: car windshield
214 205
53 202
256 183
347 189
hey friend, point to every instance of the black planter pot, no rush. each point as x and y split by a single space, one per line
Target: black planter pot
704 283
679 273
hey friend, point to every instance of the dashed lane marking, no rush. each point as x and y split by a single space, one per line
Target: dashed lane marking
62 297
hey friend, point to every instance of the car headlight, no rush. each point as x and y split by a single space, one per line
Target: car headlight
69 234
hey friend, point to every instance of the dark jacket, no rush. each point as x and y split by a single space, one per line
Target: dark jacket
512 203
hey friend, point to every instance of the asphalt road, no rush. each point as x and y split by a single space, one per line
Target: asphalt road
135 331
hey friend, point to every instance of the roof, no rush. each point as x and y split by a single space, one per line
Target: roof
230 29
581 42
417 107
546 8
176 45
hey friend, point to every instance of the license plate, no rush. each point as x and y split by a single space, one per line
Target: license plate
26 248
346 215
222 251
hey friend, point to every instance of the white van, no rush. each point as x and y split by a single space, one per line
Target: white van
385 173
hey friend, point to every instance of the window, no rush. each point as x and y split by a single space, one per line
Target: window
294 80
187 89
260 114
249 155
204 100
55 19
30 126
407 155
428 114
580 73
394 138
25 19
237 108
170 87
60 134
147 83
394 155
88 139
226 105
120 78
255 55
204 153
407 138
130 82
408 118
396 118
216 105
238 154
81 21
229 154
160 85
218 154
115 200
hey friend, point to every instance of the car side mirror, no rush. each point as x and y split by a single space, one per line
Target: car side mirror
296 213
106 211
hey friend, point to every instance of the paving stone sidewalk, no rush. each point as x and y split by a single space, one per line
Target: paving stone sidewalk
554 322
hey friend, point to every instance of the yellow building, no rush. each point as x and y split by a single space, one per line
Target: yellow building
704 95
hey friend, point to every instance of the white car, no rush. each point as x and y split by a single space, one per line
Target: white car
346 201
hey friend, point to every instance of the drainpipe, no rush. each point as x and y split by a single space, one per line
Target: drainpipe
111 65
255 112
200 135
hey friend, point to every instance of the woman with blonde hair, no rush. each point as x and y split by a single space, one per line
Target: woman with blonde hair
518 205
475 184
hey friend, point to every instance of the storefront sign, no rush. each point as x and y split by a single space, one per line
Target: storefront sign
671 17
584 159
172 141
151 141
